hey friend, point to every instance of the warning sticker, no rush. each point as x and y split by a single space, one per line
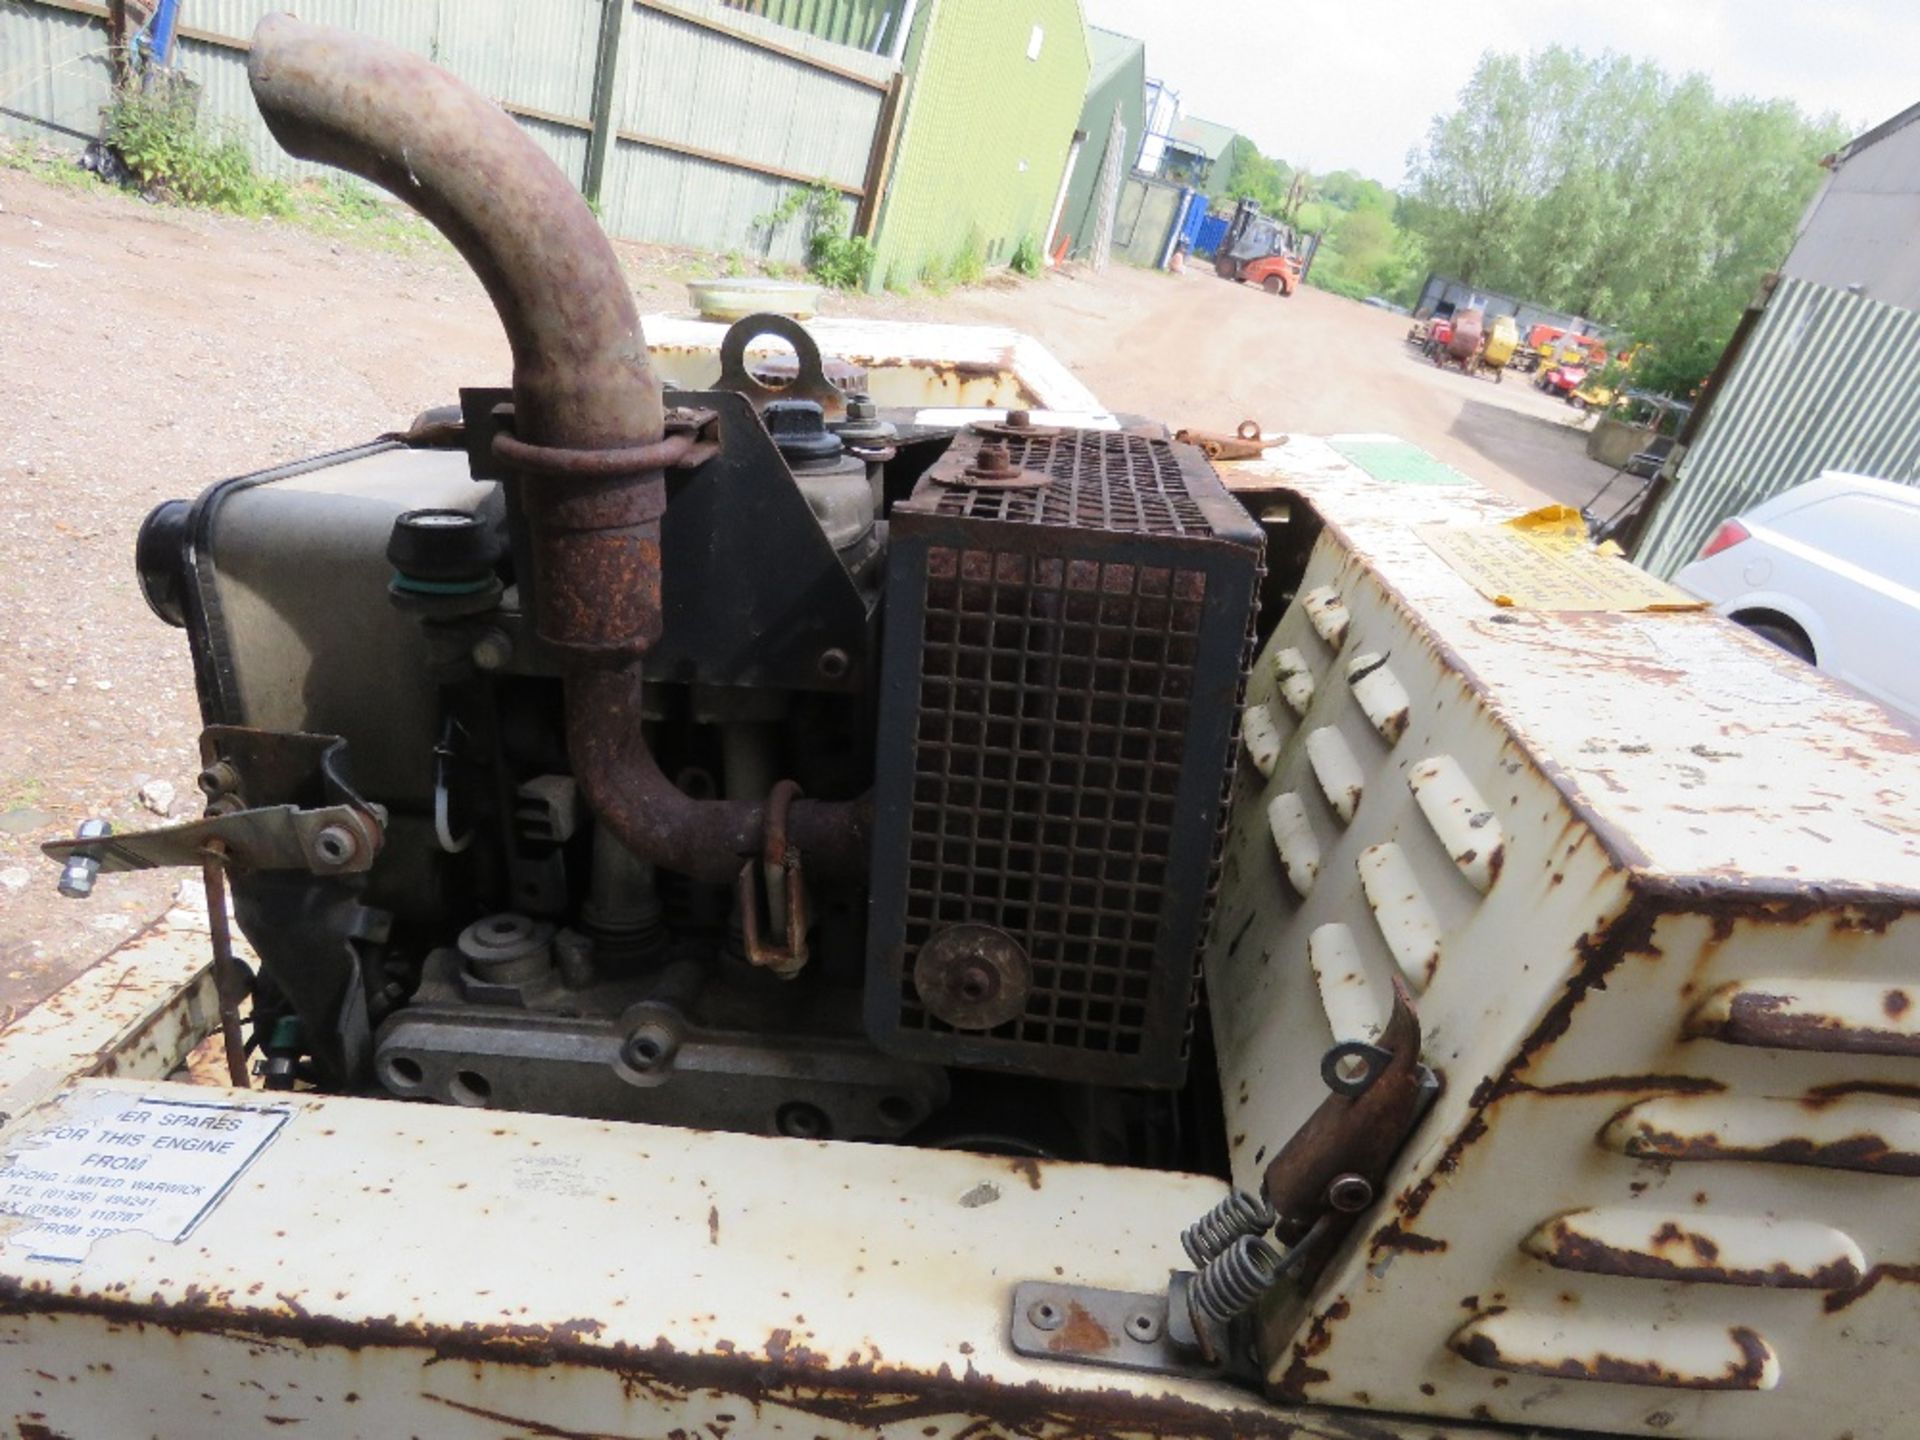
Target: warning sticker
1543 560
119 1162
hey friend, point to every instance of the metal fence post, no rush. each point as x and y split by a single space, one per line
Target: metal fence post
606 75
880 158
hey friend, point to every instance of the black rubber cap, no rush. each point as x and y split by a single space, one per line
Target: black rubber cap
799 431
160 558
443 546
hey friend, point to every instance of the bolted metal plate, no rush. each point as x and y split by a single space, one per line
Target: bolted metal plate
1121 1329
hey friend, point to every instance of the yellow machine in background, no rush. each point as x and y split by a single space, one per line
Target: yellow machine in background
1503 338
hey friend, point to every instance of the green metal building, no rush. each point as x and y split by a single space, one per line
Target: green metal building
1117 82
993 93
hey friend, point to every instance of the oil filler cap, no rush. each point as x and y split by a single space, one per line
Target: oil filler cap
799 431
446 546
443 562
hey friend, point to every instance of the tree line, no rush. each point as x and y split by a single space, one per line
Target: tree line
1598 185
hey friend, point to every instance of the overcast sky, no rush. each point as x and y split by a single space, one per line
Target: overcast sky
1353 84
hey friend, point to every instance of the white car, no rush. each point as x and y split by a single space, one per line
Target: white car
1829 571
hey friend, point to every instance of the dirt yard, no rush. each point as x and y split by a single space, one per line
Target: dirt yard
148 352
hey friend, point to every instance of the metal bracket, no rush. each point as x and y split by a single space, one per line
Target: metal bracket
338 840
810 381
277 800
1245 444
1126 1330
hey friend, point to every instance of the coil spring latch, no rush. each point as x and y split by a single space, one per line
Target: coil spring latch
1249 1244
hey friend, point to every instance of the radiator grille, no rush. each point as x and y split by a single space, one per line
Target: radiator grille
1102 480
1054 746
1053 706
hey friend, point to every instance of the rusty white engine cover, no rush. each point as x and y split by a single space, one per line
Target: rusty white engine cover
1658 896
1653 885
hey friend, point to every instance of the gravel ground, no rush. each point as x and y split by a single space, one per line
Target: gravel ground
150 351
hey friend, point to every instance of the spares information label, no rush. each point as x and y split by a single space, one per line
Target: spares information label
116 1162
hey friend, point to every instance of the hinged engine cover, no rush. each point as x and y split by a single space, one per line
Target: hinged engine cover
1064 654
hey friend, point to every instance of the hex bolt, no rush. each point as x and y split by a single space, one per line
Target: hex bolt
994 458
334 845
1019 419
493 650
77 875
834 664
1143 1327
1045 1315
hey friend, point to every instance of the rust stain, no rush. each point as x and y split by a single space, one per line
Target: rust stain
1394 1237
1746 1372
1082 1334
1630 933
1623 1085
1841 1299
862 1395
1301 1374
1028 1168
1821 1096
1695 1262
713 1224
1864 1152
1757 1018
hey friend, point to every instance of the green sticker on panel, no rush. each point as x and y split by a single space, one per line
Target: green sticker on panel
1398 462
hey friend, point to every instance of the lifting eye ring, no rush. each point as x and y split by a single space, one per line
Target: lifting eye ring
809 382
1351 1067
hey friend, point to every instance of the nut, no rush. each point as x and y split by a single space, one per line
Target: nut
993 461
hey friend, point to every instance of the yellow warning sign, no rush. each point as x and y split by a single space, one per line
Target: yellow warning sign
1543 560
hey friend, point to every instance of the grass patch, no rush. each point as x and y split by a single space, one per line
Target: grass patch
157 132
1026 258
44 163
834 257
969 262
344 209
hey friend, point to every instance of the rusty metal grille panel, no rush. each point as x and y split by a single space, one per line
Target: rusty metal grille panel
1053 708
1102 480
1059 699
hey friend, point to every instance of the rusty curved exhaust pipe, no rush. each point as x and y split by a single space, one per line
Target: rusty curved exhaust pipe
582 380
581 374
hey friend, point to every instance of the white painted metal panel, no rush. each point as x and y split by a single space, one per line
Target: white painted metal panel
1697 840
